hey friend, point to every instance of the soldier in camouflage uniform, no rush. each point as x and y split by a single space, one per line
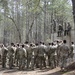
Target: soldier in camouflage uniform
60 29
73 51
45 56
34 57
71 54
10 55
4 55
16 54
14 48
29 56
25 59
58 52
52 57
69 29
41 52
27 47
64 52
21 57
48 52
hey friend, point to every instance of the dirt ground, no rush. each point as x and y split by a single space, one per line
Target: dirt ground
55 71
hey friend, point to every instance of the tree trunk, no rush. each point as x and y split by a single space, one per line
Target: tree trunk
45 20
73 3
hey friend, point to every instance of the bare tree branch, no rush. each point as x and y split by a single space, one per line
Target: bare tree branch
16 27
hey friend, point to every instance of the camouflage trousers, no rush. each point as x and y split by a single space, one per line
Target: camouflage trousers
58 59
29 60
53 61
22 63
17 62
59 33
34 61
10 62
42 62
63 61
3 62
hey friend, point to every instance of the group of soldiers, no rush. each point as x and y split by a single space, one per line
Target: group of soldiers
38 55
66 30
